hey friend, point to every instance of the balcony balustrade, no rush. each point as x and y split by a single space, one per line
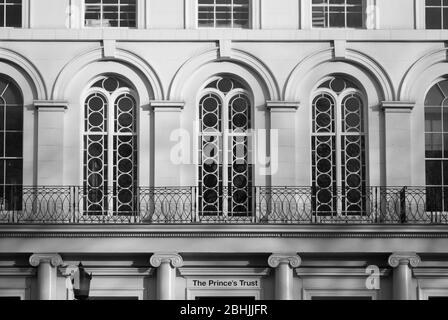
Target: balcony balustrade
182 205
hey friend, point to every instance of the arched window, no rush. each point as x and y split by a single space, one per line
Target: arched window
110 149
436 136
11 145
338 149
225 171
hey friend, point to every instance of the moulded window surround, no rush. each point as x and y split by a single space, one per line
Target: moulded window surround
79 9
369 15
110 138
436 14
14 13
339 137
436 147
192 8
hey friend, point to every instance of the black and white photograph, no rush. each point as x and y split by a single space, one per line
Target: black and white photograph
204 151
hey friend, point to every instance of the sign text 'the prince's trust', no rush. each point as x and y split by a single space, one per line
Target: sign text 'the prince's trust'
224 283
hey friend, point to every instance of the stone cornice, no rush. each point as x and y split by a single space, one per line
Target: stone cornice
336 272
53 258
174 259
167 105
431 272
50 105
23 272
115 271
204 272
292 259
225 231
282 105
397 106
407 258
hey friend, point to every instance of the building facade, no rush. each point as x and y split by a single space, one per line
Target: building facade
196 149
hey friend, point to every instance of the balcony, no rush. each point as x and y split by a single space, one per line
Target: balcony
182 205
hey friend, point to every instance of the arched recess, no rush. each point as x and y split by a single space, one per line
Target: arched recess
30 93
359 60
75 93
425 73
237 57
190 93
374 95
410 85
122 56
29 70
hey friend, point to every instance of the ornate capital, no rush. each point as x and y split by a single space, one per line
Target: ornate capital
174 259
278 258
405 258
53 258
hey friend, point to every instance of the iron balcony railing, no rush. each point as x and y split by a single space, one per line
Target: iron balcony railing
184 205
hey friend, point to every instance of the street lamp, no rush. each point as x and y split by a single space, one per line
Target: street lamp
81 283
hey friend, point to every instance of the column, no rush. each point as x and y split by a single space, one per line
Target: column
47 264
284 265
283 144
50 148
402 276
166 122
398 143
166 274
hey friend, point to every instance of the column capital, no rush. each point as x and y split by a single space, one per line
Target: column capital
174 259
53 258
282 105
404 258
167 105
50 105
397 106
292 259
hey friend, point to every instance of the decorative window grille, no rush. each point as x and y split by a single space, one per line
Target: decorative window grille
436 137
338 13
436 14
224 13
338 149
110 149
11 145
225 171
110 13
11 13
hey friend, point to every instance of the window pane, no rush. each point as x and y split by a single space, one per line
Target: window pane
14 142
433 18
433 119
14 15
224 13
433 173
110 13
433 145
14 172
14 118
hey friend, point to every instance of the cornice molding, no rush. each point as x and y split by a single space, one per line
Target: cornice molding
174 259
282 105
23 272
397 106
205 272
51 105
404 258
431 272
292 259
337 272
167 105
104 271
53 258
226 231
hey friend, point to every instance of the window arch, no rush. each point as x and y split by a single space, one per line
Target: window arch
339 148
110 148
225 170
11 145
436 146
